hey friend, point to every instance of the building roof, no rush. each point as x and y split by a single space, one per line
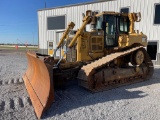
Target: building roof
78 4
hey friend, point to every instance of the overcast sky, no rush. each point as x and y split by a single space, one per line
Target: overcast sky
18 18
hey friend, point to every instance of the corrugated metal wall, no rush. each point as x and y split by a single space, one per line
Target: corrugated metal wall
74 13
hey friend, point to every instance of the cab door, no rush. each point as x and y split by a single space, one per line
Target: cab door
110 31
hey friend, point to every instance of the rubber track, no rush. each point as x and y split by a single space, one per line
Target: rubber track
88 70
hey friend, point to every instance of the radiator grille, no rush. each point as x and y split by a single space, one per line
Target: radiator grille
96 44
71 55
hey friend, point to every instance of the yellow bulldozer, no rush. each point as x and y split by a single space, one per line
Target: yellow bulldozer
110 55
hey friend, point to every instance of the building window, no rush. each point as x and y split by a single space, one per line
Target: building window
124 10
156 15
55 23
152 50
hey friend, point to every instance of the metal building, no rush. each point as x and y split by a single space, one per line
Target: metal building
53 21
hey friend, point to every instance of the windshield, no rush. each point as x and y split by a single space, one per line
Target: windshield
107 23
110 25
110 29
99 22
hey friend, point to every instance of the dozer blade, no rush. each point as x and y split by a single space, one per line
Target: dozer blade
38 80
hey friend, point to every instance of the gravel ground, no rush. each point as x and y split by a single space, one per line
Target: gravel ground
140 101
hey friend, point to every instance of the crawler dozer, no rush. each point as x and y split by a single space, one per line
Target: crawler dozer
110 55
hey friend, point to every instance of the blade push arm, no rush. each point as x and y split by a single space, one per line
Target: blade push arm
70 26
86 20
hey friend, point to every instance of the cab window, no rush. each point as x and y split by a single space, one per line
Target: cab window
124 24
110 29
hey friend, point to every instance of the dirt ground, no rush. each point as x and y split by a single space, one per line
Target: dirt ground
140 101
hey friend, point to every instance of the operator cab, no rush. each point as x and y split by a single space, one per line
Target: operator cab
113 24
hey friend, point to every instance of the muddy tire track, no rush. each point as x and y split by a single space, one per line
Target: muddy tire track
11 81
15 103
